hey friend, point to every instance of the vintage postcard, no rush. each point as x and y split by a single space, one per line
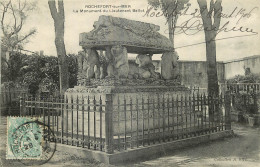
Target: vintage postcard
130 83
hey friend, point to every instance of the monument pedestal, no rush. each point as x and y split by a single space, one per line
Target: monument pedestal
129 104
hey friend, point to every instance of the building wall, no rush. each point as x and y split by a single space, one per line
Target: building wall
194 73
238 67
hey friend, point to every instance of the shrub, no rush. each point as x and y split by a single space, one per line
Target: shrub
33 70
250 78
245 103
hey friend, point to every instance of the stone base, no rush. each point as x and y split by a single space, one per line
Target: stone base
120 95
126 89
142 153
128 82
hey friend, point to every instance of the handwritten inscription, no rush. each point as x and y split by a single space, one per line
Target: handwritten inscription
193 24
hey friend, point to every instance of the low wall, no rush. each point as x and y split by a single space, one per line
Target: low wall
143 153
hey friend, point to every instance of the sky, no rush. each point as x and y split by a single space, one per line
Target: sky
77 22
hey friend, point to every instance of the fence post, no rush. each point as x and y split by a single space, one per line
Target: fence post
109 124
255 101
21 106
227 101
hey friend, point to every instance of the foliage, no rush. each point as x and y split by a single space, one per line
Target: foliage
245 102
33 71
10 70
171 9
73 69
250 78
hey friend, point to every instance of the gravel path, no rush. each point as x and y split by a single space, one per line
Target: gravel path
242 150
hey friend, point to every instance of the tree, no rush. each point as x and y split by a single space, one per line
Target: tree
170 9
12 71
31 71
13 17
73 69
24 70
210 29
59 19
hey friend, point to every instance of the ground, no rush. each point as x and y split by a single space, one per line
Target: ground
241 150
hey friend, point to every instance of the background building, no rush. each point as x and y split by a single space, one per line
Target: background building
240 66
194 73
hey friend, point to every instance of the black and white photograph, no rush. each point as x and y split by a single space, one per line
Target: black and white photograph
143 83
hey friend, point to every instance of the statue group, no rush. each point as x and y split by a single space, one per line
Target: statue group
118 37
114 64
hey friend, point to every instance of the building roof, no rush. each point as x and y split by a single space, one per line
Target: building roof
242 59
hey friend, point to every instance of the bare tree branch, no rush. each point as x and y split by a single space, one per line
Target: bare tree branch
53 9
25 37
19 4
3 17
11 32
207 15
207 21
2 3
12 9
217 12
61 9
24 5
19 27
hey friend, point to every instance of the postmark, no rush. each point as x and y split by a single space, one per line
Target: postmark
24 139
29 140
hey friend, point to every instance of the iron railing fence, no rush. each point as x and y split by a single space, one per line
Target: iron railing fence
240 87
113 122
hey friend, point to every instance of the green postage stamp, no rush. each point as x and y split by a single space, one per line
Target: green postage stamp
24 138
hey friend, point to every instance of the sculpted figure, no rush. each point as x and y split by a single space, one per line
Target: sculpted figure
91 64
110 61
110 70
146 67
169 65
120 63
104 63
135 72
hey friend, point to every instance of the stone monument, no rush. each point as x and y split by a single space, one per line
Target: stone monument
117 37
110 73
